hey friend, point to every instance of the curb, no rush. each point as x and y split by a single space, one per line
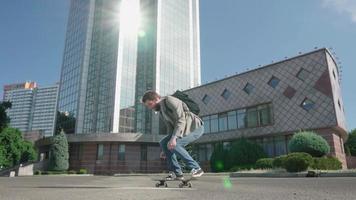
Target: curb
163 174
296 175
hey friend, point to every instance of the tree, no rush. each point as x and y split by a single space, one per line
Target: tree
58 160
244 153
4 119
309 142
14 149
28 152
350 144
11 144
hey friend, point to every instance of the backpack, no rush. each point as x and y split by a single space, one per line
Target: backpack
193 107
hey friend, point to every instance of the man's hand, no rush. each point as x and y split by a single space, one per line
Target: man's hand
172 143
162 155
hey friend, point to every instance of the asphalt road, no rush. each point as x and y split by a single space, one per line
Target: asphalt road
207 187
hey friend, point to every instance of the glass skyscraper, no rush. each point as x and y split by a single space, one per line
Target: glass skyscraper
115 50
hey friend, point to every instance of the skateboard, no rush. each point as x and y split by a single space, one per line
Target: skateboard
183 183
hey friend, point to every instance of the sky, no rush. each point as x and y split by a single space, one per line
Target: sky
235 35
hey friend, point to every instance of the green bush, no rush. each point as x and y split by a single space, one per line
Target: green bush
28 152
11 143
297 162
38 172
264 163
279 161
72 172
58 160
350 144
82 171
242 167
327 163
310 143
218 158
243 152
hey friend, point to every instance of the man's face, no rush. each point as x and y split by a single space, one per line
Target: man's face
151 104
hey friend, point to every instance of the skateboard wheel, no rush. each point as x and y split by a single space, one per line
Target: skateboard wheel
190 185
180 185
165 185
157 184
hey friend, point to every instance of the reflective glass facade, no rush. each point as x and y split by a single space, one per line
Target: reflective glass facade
168 54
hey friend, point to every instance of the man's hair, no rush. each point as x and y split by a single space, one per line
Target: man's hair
149 96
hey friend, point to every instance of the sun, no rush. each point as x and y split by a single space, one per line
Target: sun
130 16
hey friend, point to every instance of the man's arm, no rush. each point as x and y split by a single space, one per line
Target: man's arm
177 109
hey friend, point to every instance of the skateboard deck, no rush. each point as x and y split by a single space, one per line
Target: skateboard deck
183 183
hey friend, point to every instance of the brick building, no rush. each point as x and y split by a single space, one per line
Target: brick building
267 105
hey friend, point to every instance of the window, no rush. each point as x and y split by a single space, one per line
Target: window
280 145
223 122
121 152
206 99
100 152
248 88
214 124
241 118
289 92
143 152
268 146
226 94
226 145
202 152
264 115
273 82
206 124
231 120
252 117
307 104
303 74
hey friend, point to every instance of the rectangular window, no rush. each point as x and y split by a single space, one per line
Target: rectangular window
268 146
241 118
121 152
264 114
280 145
143 152
209 150
223 122
206 121
252 117
202 152
231 120
214 123
100 152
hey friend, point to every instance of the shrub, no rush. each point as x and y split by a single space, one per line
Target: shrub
243 152
279 161
82 171
241 167
327 163
264 163
72 172
218 158
310 143
38 172
350 145
58 160
29 153
297 162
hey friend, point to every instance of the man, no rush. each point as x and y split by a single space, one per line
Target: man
183 127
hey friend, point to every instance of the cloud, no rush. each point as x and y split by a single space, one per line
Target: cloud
342 6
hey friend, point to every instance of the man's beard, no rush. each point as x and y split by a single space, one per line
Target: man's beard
157 107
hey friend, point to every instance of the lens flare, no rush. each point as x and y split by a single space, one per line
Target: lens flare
227 183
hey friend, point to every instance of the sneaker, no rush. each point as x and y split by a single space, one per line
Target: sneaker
179 177
170 176
197 172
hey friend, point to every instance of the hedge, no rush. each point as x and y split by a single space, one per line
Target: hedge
279 161
264 163
327 163
297 162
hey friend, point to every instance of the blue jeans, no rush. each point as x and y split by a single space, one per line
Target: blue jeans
179 150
